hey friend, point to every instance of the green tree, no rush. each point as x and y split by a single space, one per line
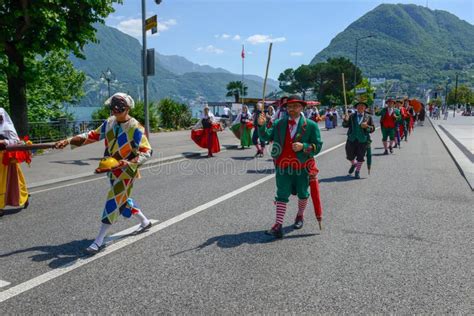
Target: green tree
298 81
367 96
31 28
330 87
173 114
56 82
464 95
236 89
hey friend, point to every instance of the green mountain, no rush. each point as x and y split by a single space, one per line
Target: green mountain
175 76
411 43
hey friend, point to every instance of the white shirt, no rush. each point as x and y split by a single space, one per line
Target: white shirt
226 110
293 128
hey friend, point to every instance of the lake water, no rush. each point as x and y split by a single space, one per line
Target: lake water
82 113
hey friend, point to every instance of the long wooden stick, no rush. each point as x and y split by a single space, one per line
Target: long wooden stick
344 91
28 147
266 73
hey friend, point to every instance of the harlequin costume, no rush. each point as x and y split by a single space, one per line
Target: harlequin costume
389 117
204 134
13 190
242 127
123 141
358 138
292 169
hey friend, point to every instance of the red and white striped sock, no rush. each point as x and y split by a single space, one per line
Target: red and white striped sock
280 212
302 203
359 165
353 162
385 145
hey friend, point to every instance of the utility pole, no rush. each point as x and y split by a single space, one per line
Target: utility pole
456 95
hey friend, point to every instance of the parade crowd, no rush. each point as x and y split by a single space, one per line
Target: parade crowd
289 127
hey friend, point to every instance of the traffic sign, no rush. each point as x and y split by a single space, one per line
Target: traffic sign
151 23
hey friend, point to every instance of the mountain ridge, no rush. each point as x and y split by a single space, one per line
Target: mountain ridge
411 43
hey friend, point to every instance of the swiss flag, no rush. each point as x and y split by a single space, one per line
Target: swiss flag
243 52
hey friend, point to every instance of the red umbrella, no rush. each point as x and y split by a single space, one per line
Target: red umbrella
313 103
416 105
314 189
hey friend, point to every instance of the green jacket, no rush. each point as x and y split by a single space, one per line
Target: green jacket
356 132
307 134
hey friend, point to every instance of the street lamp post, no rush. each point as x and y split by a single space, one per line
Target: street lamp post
108 76
355 61
144 67
456 95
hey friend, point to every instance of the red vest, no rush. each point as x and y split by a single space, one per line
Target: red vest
388 121
288 157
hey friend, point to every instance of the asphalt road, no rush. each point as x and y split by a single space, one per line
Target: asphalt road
398 241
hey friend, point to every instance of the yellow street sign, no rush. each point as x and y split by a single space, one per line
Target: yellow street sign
151 23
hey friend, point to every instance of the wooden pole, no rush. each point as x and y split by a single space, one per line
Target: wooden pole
344 91
266 73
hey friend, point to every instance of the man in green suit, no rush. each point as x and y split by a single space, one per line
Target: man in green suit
388 121
360 126
296 141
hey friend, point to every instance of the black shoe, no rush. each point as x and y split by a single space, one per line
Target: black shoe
142 229
357 175
395 146
276 231
92 250
385 152
1 212
351 169
299 221
391 149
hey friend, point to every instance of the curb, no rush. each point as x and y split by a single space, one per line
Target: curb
461 161
89 175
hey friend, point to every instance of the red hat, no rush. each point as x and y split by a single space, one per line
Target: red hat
295 99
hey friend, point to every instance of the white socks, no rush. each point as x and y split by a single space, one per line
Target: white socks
142 218
99 240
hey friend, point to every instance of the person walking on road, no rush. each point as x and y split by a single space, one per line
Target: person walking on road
242 127
125 143
13 190
389 116
256 140
360 126
296 140
204 133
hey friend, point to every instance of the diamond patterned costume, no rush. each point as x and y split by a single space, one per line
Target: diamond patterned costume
123 141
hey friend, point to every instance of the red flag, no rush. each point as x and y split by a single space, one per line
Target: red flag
243 52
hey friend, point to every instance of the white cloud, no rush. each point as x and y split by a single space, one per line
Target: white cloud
210 49
261 39
236 37
133 27
296 54
225 36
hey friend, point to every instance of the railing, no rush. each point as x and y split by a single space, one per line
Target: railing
43 132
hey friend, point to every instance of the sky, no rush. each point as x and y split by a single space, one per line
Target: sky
212 32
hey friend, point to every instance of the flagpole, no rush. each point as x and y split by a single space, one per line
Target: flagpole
243 85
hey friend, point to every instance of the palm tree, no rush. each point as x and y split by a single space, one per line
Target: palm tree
234 88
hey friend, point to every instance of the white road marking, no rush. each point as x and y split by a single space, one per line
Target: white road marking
4 283
53 274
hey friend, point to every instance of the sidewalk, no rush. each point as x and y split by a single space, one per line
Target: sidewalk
65 165
457 134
